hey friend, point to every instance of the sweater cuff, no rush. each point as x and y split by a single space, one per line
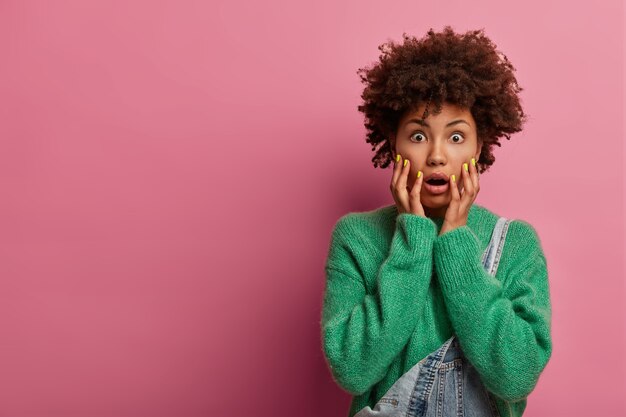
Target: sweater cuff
418 230
415 226
413 240
458 258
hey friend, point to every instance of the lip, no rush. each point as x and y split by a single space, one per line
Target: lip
437 174
436 189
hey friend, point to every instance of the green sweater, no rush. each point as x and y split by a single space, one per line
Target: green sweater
396 290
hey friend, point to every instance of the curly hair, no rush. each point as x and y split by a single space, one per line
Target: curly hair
464 70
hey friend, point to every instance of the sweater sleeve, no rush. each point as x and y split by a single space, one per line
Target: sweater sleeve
503 323
362 333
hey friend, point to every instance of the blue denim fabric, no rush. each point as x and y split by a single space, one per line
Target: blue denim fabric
444 383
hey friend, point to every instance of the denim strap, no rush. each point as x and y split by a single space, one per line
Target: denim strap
491 255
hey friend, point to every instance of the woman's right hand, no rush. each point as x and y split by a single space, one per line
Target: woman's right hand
407 202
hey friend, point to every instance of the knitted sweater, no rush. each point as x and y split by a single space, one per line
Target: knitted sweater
396 290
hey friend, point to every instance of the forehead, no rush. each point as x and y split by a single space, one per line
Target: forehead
448 112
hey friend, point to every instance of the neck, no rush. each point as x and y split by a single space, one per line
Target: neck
434 213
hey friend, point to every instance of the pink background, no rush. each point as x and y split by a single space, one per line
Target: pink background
171 170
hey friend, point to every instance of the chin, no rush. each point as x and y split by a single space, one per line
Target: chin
435 202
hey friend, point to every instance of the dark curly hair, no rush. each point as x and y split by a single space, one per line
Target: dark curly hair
464 70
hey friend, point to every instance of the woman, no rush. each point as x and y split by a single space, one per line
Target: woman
435 305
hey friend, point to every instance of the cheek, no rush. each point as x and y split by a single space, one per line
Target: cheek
416 158
461 158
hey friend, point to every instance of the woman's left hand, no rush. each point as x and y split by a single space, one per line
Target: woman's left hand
457 211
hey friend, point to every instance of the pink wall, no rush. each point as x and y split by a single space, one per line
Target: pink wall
171 170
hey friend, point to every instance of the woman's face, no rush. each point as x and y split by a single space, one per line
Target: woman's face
441 143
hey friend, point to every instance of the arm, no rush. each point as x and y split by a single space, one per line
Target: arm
503 324
362 333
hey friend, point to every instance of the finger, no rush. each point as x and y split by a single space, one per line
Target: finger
402 179
397 168
468 187
403 194
474 175
415 193
454 189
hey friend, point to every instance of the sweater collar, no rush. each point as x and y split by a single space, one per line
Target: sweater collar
479 219
473 217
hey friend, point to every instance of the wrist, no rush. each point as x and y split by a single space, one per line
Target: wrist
447 227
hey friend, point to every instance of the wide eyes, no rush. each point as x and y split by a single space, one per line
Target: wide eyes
456 137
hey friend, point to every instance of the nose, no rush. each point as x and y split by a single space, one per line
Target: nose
436 155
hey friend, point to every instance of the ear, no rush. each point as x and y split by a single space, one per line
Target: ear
479 148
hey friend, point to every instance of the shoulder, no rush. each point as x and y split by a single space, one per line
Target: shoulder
518 230
360 235
524 244
521 234
482 221
522 250
365 222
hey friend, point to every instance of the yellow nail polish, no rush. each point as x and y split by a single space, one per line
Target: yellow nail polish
453 178
405 162
397 157
419 174
473 162
466 167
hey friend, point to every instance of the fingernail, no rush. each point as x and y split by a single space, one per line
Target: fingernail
405 162
397 157
465 166
419 174
453 178
473 162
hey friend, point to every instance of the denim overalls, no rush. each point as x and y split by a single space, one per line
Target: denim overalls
444 383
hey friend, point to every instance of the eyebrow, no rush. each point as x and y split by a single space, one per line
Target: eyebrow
423 123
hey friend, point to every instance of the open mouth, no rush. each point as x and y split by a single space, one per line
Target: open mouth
436 185
437 181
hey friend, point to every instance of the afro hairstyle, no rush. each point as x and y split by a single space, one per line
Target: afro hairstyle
461 69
